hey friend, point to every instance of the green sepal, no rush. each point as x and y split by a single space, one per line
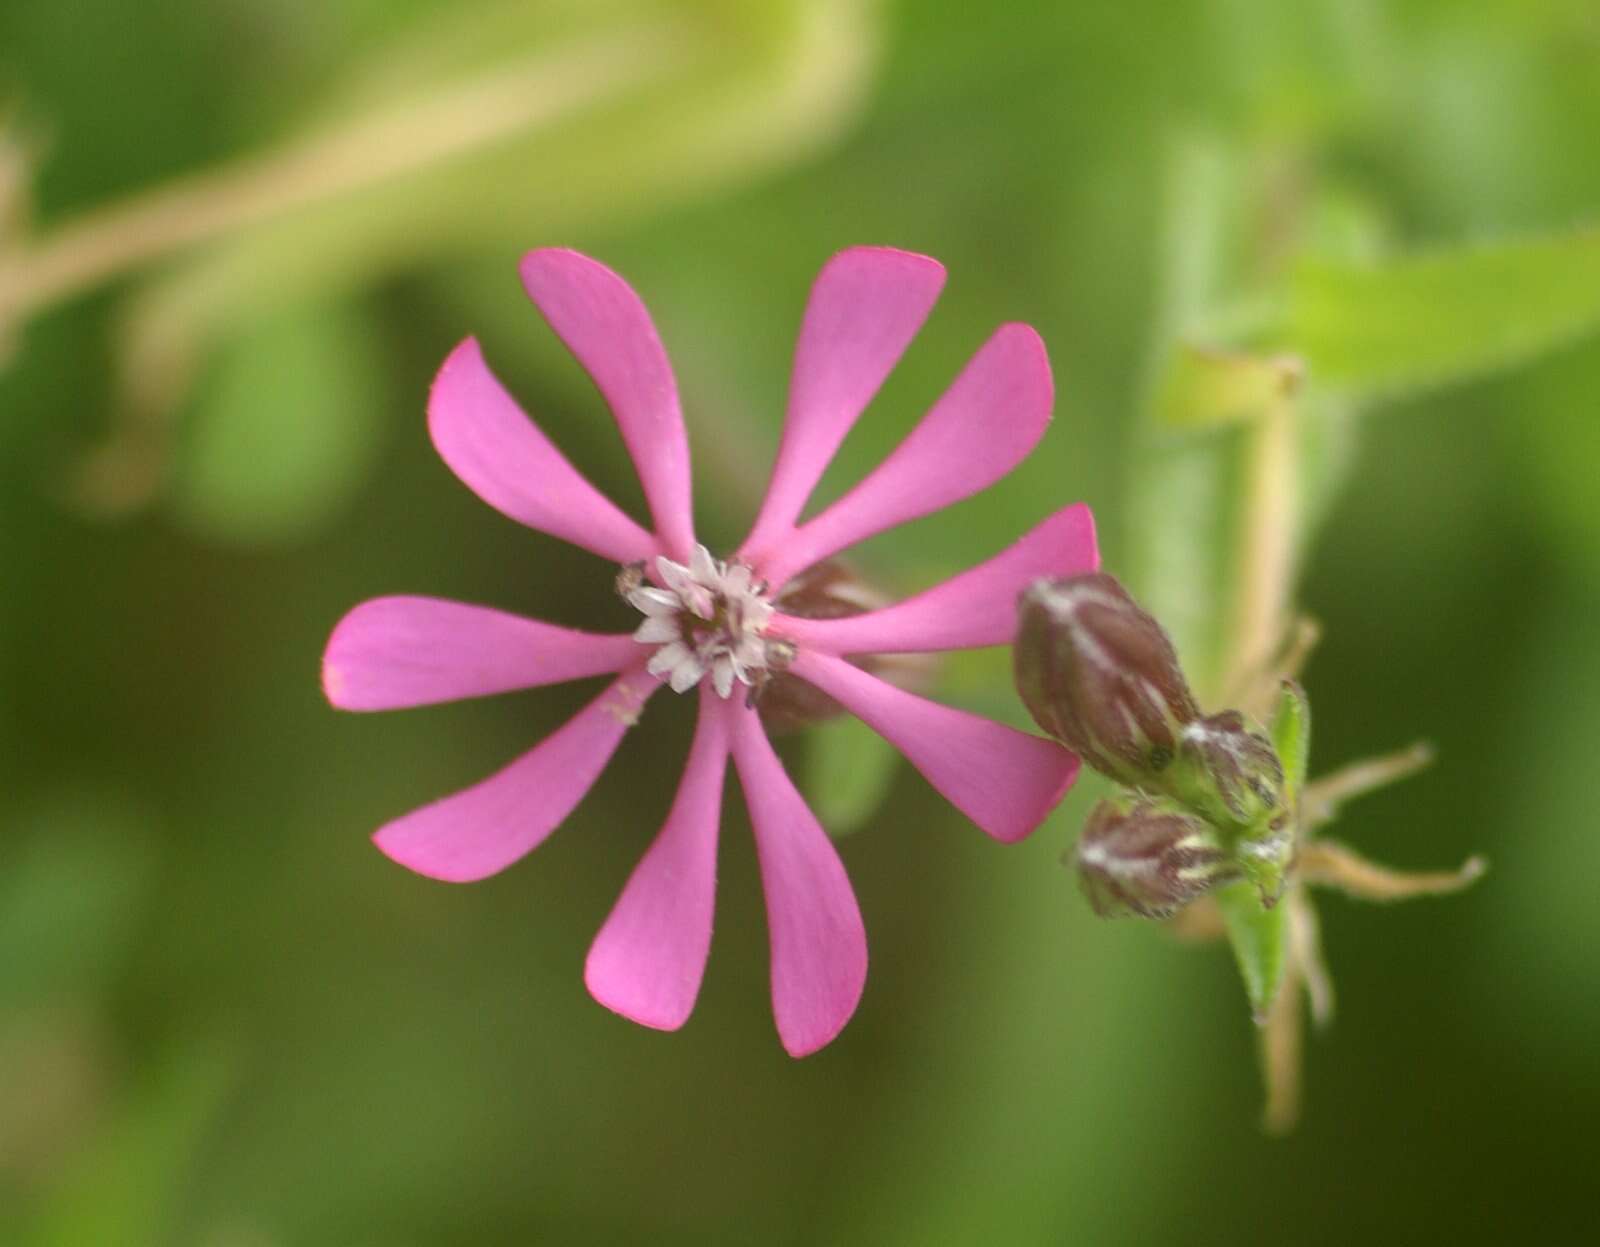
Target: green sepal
1291 736
1259 934
1263 857
849 771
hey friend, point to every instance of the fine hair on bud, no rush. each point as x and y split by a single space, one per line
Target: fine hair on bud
1099 674
1145 857
1229 771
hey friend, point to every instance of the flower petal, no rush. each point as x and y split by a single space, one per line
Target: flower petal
656 603
819 946
1004 780
395 652
865 307
658 630
985 424
481 830
976 608
649 958
502 456
606 327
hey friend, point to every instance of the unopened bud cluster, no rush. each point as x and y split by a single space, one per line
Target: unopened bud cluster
1207 802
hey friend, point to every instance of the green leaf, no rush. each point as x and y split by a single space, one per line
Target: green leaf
1259 936
1291 735
74 881
1205 387
1443 317
286 431
849 771
123 1189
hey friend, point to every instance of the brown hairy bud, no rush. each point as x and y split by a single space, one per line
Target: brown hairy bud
1100 675
1147 857
1228 771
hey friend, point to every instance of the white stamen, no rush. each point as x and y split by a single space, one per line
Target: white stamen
711 618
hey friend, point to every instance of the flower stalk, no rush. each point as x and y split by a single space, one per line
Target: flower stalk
1211 809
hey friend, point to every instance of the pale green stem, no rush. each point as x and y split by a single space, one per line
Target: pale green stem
1281 1040
343 158
1265 560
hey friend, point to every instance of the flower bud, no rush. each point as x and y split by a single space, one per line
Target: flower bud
1227 772
1100 675
1144 856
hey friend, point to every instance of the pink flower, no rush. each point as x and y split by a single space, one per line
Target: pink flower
714 625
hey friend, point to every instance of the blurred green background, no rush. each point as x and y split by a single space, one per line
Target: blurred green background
226 1020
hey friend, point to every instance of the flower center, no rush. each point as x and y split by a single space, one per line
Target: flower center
710 619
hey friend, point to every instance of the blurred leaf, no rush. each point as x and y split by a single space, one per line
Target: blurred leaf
1187 478
849 771
486 126
1428 320
1188 497
1327 434
1205 387
1537 957
16 191
287 429
1556 445
74 879
123 1190
1259 937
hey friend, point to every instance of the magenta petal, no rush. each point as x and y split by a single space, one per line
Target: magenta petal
865 307
985 424
649 958
1004 780
606 327
416 651
481 830
501 456
819 946
976 608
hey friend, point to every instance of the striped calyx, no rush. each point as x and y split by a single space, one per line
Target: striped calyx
1147 857
1100 675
